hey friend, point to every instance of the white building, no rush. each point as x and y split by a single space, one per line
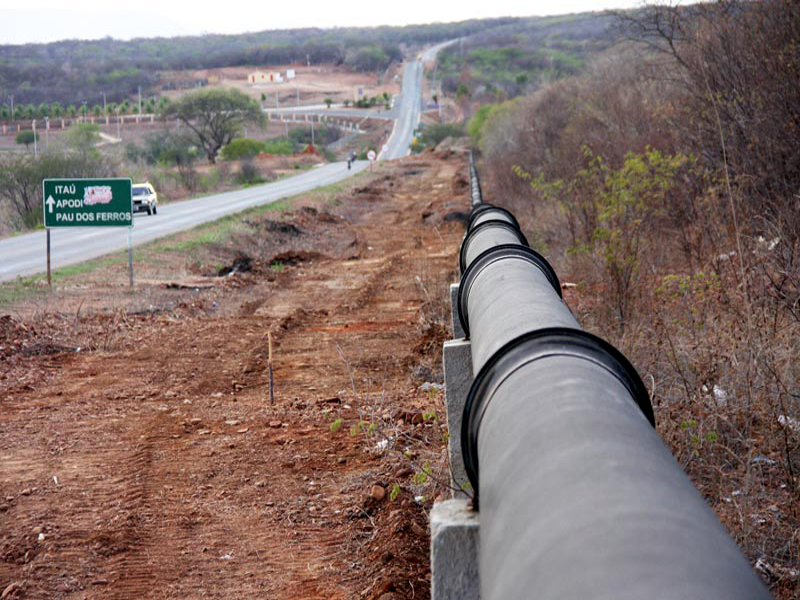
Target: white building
263 77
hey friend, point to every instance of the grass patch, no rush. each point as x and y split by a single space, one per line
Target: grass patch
23 289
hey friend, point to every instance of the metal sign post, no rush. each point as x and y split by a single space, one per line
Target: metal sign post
130 253
49 280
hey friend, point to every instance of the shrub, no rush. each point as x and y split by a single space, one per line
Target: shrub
26 137
323 135
242 148
278 146
21 180
431 136
249 174
610 211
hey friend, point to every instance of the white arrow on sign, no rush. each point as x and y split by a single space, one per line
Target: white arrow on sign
50 202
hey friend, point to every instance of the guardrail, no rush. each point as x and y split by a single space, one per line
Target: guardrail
14 127
578 497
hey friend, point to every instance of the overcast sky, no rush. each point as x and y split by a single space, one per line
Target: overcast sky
46 21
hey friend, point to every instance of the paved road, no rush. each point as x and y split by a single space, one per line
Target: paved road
409 102
25 254
343 113
350 113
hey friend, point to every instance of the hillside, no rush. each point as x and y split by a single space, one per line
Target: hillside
71 71
516 58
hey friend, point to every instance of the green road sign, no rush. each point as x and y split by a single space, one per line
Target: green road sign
87 203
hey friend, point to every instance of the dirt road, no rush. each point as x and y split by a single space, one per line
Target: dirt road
140 456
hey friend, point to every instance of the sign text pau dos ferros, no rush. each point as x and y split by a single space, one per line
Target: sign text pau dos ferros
87 203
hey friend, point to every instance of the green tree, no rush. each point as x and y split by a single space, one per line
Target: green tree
215 117
43 110
56 110
71 110
83 137
97 110
328 102
26 137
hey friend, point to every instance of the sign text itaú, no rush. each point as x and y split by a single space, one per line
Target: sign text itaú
87 203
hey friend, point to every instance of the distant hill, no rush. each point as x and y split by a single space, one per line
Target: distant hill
514 58
72 71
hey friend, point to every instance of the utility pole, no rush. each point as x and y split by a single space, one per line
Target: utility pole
47 133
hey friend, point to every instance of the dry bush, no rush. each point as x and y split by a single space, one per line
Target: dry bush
608 110
738 65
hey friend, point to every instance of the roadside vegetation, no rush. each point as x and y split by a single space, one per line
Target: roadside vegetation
662 180
430 136
21 175
180 159
202 249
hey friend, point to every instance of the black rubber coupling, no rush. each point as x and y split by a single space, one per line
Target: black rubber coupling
527 348
495 209
492 255
482 227
480 207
